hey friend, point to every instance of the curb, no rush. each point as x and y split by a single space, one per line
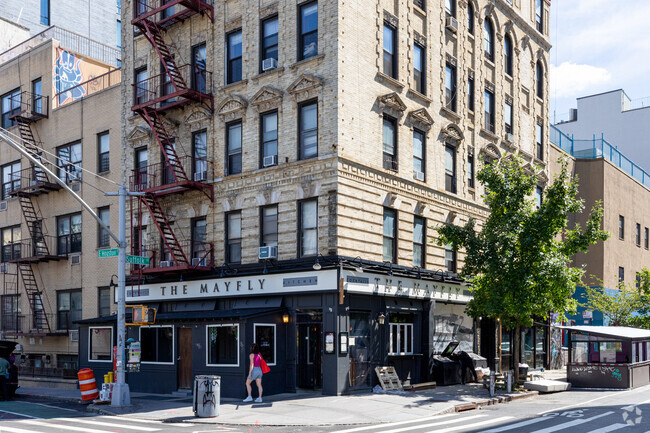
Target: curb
49 397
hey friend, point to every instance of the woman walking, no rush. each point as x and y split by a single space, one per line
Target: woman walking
254 373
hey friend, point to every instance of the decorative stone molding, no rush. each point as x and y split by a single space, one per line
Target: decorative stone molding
470 74
542 177
419 39
267 98
138 135
491 152
510 145
392 104
197 117
269 10
392 200
529 170
233 24
452 132
452 60
420 208
232 107
305 87
489 85
421 119
391 19
509 99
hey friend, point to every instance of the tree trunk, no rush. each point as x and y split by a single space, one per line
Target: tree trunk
516 349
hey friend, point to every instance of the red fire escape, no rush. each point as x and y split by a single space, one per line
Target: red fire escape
27 184
174 87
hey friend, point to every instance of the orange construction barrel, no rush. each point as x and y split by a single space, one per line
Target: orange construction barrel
87 384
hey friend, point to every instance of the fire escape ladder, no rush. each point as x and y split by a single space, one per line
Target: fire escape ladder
40 320
154 119
35 226
32 146
154 35
165 229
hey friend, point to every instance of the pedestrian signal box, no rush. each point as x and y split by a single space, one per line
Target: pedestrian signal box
140 315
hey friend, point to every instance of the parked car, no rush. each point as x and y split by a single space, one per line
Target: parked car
6 351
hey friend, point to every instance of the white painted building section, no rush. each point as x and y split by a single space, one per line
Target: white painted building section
624 123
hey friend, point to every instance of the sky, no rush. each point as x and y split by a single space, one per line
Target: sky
598 45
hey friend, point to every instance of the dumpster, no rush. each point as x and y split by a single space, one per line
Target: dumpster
469 362
443 369
207 391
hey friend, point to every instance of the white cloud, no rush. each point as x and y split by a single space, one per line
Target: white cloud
571 80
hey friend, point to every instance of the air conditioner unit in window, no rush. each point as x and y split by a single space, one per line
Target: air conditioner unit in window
166 263
418 175
452 24
75 186
268 64
270 160
200 176
4 268
74 334
3 205
509 137
268 252
199 262
75 259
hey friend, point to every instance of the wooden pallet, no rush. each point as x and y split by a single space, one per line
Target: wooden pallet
420 386
388 379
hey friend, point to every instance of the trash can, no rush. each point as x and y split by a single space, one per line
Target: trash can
207 391
523 372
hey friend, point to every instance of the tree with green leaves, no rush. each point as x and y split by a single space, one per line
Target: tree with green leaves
519 263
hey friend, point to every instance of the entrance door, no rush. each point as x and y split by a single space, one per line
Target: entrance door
309 355
184 358
360 351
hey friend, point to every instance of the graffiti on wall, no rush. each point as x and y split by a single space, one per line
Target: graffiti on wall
67 77
452 324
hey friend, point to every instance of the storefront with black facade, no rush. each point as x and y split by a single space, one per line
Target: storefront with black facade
324 329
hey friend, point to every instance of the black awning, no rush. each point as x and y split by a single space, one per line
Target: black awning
194 315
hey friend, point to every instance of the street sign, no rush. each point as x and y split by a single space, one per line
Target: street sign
137 260
107 253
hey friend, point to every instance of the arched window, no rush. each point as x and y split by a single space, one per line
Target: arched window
488 39
507 53
539 75
470 18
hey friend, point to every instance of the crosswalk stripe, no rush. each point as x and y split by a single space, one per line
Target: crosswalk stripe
4 429
473 425
17 413
566 425
609 428
517 425
51 424
374 426
145 421
435 424
109 424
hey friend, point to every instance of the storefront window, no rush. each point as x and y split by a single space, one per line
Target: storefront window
223 343
540 346
401 334
265 338
157 344
100 342
533 345
579 351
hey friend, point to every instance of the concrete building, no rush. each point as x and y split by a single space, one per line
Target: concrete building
64 107
296 158
615 117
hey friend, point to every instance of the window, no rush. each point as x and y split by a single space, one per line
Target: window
100 343
141 77
621 227
470 93
10 178
233 158
419 3
646 240
401 334
390 235
539 74
638 280
199 68
119 34
489 110
308 129
265 339
11 318
138 245
470 18
390 143
269 225
199 247
450 87
269 138
488 39
69 162
450 7
419 68
167 12
200 155
140 162
539 138
638 235
470 170
11 237
234 56
450 259
157 344
10 107
103 148
269 39
68 231
45 12
418 154
507 53
539 16
621 274
390 43
308 227
450 168
539 193
508 117
168 173
233 237
419 236
222 345
37 96
166 84
104 301
308 42
104 239
68 308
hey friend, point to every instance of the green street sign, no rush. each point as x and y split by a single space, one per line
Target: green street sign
107 253
137 260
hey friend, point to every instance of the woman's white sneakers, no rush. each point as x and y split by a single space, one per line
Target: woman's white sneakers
247 399
258 400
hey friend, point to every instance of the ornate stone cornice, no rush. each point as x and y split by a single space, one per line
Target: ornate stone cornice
267 98
392 104
305 87
421 119
232 107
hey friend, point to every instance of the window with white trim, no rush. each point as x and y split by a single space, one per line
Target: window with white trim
157 344
223 345
264 336
401 334
100 343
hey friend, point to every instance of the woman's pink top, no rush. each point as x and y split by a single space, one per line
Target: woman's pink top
257 360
